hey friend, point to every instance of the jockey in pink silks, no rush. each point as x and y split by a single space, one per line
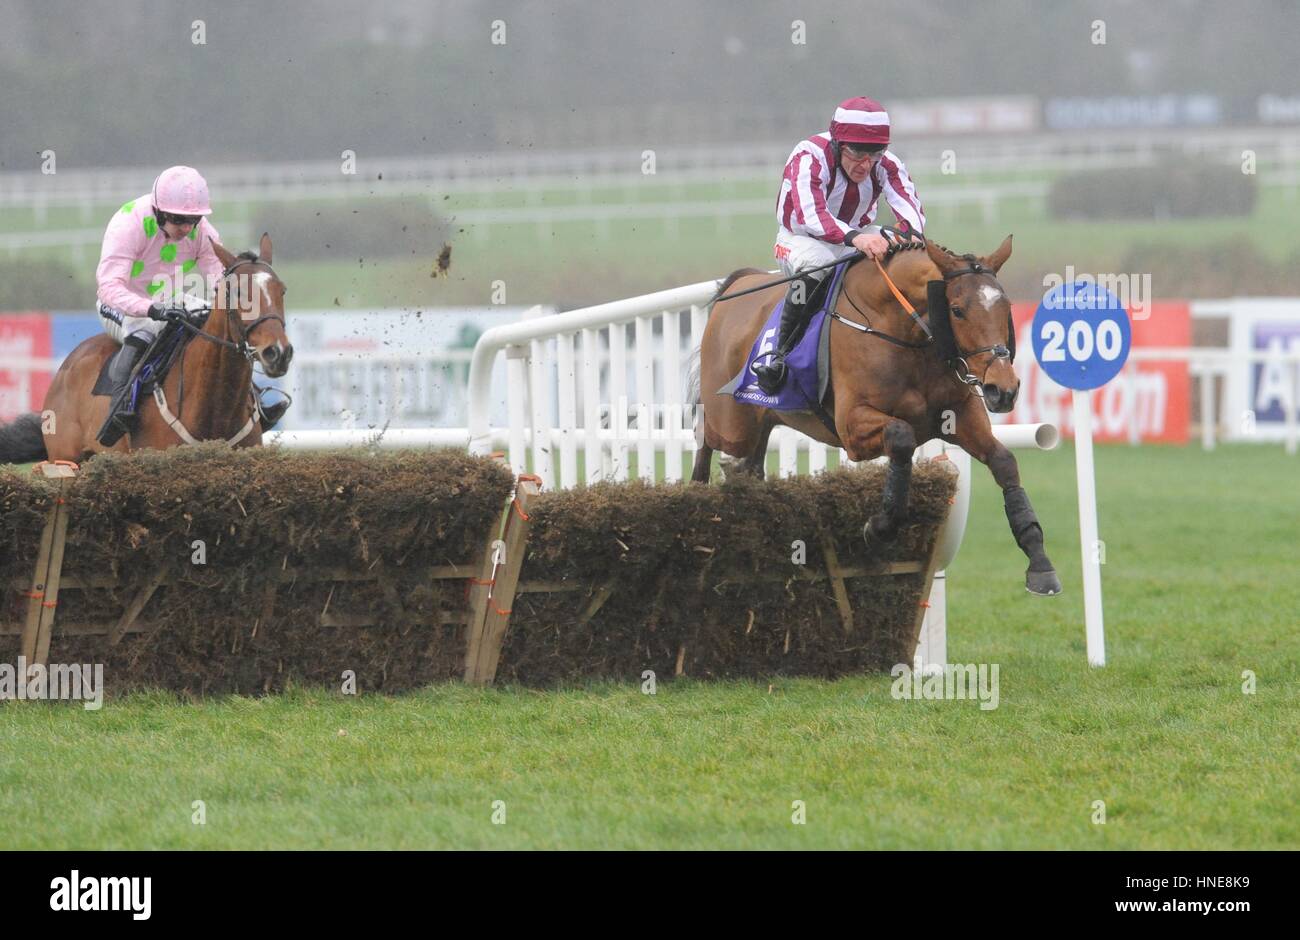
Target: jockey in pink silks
151 246
829 192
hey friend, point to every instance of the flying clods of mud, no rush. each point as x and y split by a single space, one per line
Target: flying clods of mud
442 264
263 569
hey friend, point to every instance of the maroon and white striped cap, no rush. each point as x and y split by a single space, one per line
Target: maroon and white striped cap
861 121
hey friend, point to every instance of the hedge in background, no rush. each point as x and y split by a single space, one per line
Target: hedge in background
47 284
1181 189
354 231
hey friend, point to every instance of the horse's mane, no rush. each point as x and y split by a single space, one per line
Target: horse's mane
965 257
246 256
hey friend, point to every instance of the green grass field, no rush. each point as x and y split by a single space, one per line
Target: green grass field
1200 585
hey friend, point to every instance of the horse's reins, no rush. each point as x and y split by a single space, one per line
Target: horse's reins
964 373
907 305
241 343
854 257
242 331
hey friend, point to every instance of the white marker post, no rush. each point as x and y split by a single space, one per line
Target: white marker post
1088 542
1081 337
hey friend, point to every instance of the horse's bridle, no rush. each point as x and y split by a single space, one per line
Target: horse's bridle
997 351
960 361
240 341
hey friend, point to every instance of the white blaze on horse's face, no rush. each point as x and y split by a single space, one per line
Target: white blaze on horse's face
259 296
990 295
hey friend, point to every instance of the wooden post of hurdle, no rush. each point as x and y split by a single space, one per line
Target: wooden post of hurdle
492 594
43 597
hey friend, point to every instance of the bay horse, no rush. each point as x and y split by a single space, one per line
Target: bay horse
207 393
890 388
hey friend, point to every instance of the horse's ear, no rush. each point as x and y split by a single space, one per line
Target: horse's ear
264 248
226 258
942 260
999 257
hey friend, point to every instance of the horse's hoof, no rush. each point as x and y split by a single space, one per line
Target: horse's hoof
878 545
729 467
1043 583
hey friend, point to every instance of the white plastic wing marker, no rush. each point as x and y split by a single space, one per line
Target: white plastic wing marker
1094 629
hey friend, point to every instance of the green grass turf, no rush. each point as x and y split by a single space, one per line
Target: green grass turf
1200 585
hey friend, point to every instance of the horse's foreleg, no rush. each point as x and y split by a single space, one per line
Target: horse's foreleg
975 436
868 433
900 444
1040 578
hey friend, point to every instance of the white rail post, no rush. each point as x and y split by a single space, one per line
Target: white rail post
699 319
517 373
672 385
645 399
1087 486
539 384
816 456
618 400
1209 413
568 411
788 444
1132 390
591 447
1292 406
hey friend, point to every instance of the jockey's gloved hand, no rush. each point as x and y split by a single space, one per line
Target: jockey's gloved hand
158 312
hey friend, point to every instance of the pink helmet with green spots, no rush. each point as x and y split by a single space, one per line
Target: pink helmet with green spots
180 190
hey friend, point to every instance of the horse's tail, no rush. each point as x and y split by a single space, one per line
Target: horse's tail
22 440
730 279
692 398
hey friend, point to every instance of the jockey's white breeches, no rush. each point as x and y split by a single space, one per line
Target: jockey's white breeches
796 253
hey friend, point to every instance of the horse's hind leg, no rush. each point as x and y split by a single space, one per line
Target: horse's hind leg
703 468
743 451
900 444
755 465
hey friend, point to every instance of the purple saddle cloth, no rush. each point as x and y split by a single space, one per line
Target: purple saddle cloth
807 365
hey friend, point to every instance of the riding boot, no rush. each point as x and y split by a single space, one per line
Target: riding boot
771 374
121 408
270 414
